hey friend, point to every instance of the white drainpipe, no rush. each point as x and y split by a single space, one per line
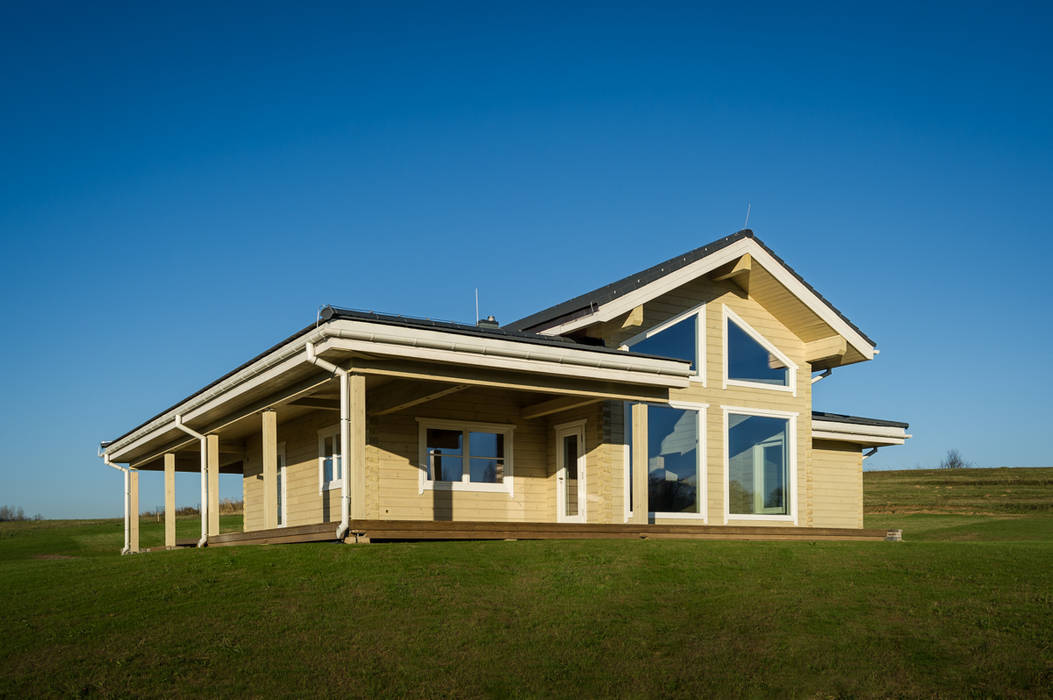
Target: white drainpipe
127 500
204 477
345 438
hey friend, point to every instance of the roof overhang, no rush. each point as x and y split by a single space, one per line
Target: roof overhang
855 432
747 245
284 373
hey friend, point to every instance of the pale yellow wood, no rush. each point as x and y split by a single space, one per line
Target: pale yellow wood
170 535
356 451
212 466
827 348
639 457
319 403
557 405
133 510
269 432
737 272
838 484
510 380
635 318
397 396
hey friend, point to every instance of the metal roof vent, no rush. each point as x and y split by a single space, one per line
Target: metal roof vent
488 322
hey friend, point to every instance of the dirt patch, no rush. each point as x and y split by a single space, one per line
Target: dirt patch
52 556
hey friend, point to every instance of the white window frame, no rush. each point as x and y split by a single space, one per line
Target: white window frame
791 449
283 473
729 316
700 338
332 431
703 492
701 413
576 428
507 483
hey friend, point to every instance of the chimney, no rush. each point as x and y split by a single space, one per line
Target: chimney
488 322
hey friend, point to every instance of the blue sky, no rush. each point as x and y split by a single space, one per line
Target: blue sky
182 186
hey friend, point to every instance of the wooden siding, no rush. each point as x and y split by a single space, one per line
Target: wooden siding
715 295
838 475
827 494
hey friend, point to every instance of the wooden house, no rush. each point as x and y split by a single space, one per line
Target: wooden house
674 402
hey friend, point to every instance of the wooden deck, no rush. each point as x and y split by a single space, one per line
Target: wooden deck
377 530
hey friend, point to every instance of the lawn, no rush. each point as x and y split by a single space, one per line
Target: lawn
963 608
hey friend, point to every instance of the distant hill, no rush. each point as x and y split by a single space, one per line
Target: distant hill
1000 490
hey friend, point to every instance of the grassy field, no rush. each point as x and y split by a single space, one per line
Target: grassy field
980 491
963 607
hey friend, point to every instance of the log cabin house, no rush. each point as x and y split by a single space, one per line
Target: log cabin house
676 402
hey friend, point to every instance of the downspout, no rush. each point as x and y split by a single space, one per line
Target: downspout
345 439
871 453
204 477
127 500
819 377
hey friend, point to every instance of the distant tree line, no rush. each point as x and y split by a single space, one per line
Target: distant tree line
227 506
10 513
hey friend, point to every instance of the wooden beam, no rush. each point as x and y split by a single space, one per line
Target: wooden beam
170 538
279 397
826 348
634 318
133 511
396 396
269 432
323 404
639 463
737 271
503 379
562 403
212 468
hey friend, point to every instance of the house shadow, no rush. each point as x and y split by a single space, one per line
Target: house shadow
441 504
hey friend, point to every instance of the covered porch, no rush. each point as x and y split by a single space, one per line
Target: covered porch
364 397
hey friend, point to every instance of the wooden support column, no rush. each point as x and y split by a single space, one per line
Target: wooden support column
133 511
640 466
170 499
356 450
212 455
270 469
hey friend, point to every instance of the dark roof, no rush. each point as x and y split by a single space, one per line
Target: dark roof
329 313
586 303
332 312
858 420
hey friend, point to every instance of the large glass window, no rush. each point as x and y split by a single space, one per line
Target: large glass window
468 455
679 340
749 361
673 467
758 465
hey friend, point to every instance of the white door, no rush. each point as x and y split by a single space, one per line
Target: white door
282 516
570 473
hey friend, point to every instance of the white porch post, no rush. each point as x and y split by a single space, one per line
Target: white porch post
354 435
133 511
212 441
170 538
270 468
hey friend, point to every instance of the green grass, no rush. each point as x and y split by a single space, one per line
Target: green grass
962 608
981 491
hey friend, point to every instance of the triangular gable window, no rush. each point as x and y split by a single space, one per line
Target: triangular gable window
753 361
678 340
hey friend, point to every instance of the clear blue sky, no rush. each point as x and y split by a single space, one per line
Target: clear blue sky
184 185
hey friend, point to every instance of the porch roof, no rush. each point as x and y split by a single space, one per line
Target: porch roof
397 346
